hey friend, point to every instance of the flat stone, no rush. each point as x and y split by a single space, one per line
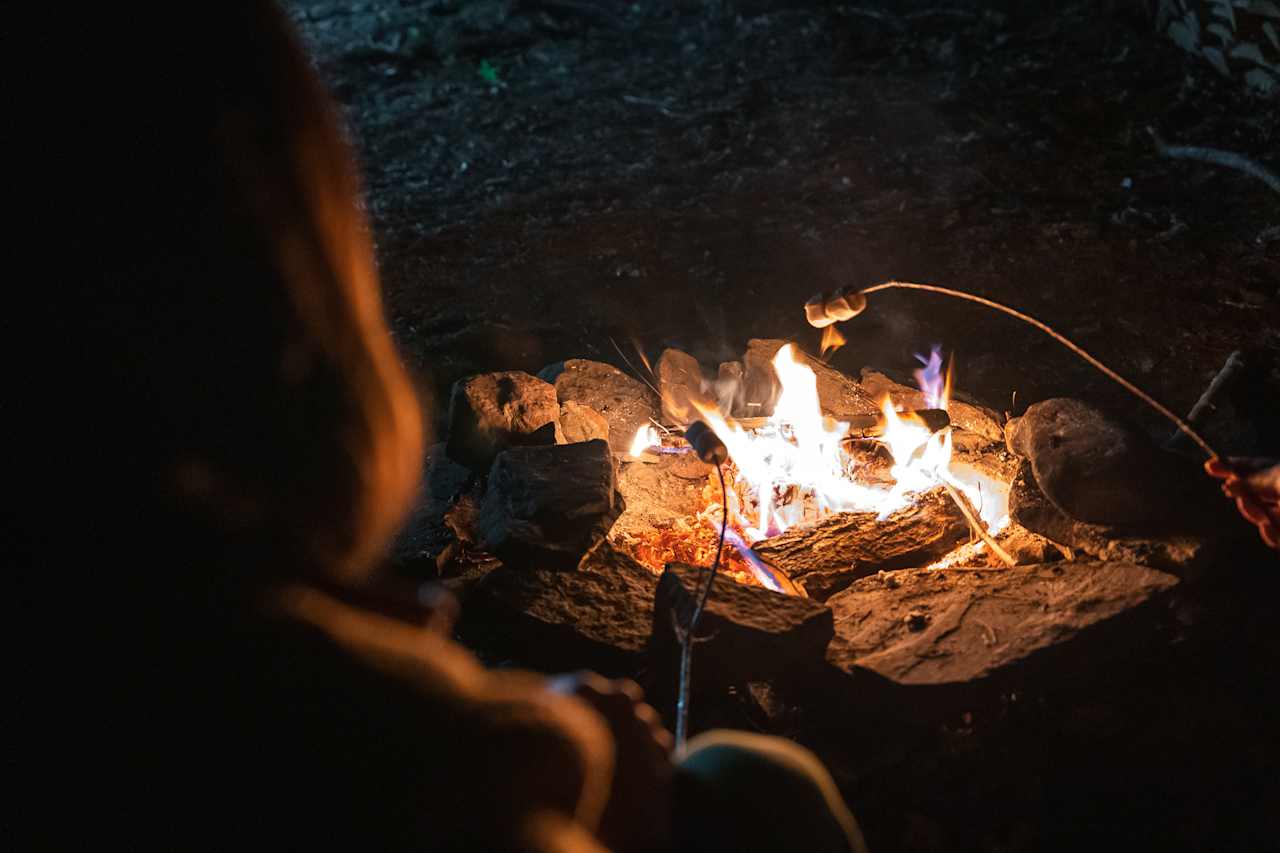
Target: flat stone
838 395
493 411
549 505
972 418
925 627
1100 471
626 403
598 617
746 633
832 554
1186 555
580 422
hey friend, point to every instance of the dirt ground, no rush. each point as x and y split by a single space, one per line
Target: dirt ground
549 177
561 178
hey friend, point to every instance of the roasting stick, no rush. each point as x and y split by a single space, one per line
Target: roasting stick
975 521
710 449
844 304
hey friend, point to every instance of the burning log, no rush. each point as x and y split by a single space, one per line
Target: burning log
967 416
939 627
829 556
547 506
746 633
624 402
839 396
600 616
493 411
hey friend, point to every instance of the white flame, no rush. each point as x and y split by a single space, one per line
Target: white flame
646 437
801 449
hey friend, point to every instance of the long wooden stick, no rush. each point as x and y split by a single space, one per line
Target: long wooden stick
975 521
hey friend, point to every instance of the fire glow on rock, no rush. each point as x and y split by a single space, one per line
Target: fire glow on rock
796 468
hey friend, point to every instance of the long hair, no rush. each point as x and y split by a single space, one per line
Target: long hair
247 405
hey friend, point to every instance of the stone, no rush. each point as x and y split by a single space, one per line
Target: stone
598 617
624 402
580 422
939 627
549 505
833 553
1100 471
746 633
838 395
972 418
1186 555
493 411
682 385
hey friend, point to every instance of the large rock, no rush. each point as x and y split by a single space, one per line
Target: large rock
682 385
746 633
625 403
493 411
838 395
1186 555
1099 471
598 617
580 422
549 505
838 550
974 419
926 627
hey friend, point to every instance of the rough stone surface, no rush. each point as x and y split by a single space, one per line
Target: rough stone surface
1185 555
923 627
493 411
681 382
838 395
1099 471
625 403
425 533
580 422
549 505
656 494
598 617
971 418
840 549
749 633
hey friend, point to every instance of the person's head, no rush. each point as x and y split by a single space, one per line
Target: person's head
258 412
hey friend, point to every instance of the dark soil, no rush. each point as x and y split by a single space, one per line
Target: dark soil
691 172
561 178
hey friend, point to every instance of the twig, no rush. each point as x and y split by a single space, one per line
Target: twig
976 523
1216 157
1225 376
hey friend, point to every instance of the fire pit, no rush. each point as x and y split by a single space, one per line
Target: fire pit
822 469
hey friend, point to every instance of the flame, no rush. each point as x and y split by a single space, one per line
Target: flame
832 340
797 461
646 437
935 386
795 468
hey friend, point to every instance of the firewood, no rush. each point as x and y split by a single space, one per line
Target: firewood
840 549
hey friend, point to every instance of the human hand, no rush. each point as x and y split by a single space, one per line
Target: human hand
1255 486
637 816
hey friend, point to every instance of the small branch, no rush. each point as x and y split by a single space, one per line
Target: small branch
971 515
1216 157
1234 365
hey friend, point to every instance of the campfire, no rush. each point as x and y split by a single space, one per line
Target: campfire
798 466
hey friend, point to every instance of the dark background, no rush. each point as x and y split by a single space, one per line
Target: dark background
549 178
